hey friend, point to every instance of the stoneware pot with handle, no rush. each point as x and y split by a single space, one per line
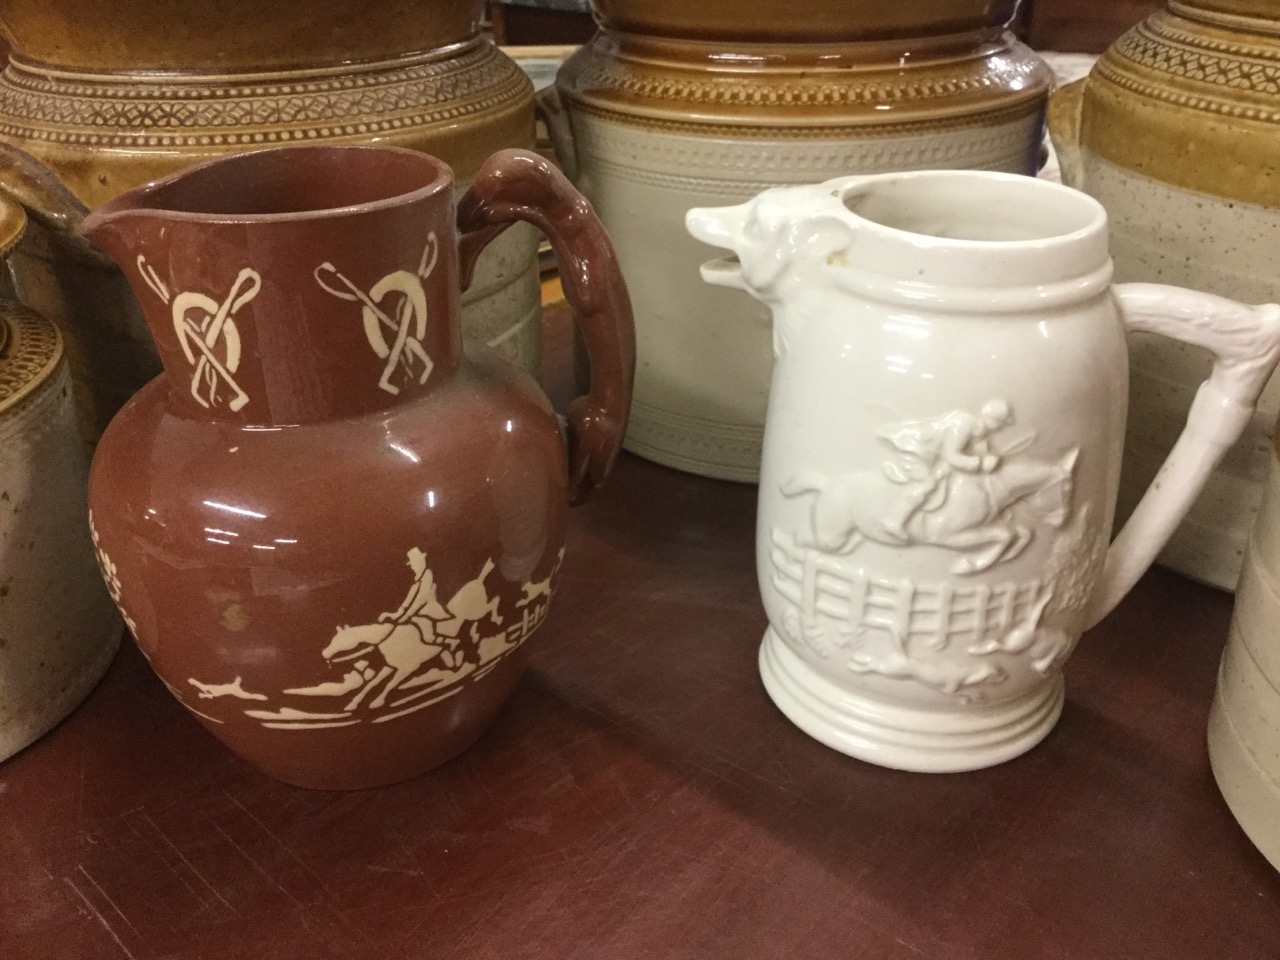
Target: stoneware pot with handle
675 105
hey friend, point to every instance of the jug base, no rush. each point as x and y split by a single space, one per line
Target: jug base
905 737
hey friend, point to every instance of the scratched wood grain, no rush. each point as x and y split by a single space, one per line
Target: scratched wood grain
640 797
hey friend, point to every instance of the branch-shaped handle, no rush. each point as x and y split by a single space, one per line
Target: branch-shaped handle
1245 341
519 185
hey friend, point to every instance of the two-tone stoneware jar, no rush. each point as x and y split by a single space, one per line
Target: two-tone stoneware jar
676 105
58 626
1177 132
106 96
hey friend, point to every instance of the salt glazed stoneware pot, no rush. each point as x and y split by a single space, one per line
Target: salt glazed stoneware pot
331 527
58 627
942 449
674 105
1176 131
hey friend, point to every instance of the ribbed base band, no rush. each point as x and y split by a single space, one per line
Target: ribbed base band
905 738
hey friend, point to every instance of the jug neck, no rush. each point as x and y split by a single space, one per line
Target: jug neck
295 285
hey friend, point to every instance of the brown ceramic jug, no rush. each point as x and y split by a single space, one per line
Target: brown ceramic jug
331 527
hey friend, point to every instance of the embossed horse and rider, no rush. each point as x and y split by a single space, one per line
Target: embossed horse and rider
948 484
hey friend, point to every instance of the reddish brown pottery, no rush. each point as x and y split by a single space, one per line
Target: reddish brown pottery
332 528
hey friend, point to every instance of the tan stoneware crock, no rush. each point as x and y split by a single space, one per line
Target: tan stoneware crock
330 525
58 627
1177 132
680 105
101 97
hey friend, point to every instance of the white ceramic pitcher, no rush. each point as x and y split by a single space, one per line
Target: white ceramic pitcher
942 449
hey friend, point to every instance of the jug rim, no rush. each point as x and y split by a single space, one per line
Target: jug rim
912 236
148 199
1092 214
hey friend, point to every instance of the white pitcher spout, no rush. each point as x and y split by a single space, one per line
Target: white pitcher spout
717 226
720 227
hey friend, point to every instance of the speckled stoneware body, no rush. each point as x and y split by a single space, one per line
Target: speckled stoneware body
703 104
330 527
103 97
942 449
58 627
1177 132
1244 722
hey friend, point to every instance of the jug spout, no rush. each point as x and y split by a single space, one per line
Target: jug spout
720 227
112 228
775 236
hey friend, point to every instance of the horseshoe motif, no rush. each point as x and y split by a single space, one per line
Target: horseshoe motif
202 324
408 327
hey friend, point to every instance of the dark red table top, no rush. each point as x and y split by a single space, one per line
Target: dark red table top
640 797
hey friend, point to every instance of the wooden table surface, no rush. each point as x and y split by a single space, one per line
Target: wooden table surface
640 797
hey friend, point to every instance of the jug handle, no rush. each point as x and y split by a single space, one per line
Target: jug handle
46 200
1245 341
38 189
549 108
1065 107
521 185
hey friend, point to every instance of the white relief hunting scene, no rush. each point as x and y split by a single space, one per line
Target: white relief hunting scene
953 481
404 660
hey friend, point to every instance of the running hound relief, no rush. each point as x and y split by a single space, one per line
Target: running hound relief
397 662
405 324
206 331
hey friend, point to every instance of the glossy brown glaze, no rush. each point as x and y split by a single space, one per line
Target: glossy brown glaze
218 35
801 20
330 527
965 80
522 186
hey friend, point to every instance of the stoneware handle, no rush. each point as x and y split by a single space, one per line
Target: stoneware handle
46 200
550 110
1245 341
1065 108
519 185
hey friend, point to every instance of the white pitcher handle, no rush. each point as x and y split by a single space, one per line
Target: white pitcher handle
1245 341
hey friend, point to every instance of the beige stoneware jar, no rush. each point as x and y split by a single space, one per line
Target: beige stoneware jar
101 97
703 105
1177 132
58 626
1244 722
